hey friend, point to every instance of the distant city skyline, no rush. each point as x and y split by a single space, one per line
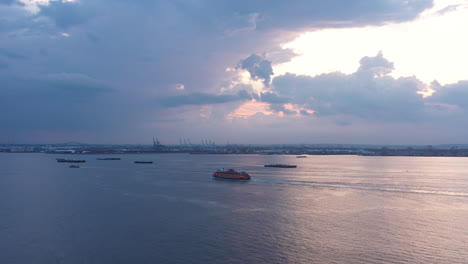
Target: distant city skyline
244 72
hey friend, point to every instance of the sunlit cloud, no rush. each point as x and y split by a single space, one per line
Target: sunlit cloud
298 109
423 47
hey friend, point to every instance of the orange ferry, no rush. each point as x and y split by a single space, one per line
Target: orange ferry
231 175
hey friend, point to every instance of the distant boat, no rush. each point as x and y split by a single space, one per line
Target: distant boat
301 156
143 162
280 166
230 175
108 158
74 166
71 160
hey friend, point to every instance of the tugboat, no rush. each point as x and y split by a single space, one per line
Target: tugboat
280 166
231 175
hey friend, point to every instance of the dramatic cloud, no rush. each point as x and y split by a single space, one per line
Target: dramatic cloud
258 68
316 13
452 94
100 65
368 93
273 98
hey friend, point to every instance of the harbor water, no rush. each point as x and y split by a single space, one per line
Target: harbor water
330 209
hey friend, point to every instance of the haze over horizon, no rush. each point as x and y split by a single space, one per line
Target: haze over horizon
245 72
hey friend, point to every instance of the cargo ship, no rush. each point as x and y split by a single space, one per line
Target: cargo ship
71 160
108 158
231 175
280 166
143 162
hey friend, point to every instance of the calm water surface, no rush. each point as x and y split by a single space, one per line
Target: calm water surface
331 209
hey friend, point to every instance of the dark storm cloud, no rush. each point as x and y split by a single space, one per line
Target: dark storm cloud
53 102
144 48
243 16
258 68
272 98
306 13
203 99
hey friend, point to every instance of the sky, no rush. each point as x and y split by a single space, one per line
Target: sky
245 72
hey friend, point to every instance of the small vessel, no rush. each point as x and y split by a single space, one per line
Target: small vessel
108 158
301 156
280 166
71 160
231 175
143 162
74 166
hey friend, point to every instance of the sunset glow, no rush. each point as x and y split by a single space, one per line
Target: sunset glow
249 109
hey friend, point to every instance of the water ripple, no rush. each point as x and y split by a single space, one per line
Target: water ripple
364 187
